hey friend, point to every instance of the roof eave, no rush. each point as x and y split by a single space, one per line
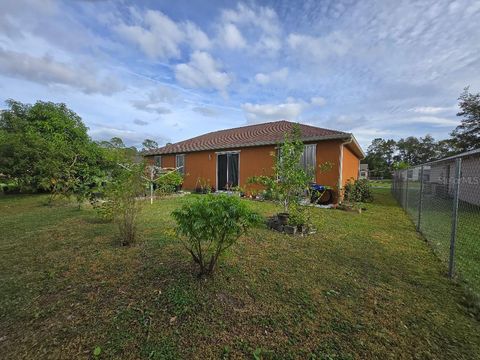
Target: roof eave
158 151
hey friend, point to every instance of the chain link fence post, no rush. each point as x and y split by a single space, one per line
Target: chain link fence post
420 201
406 191
453 237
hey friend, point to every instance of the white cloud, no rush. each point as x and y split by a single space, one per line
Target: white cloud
202 72
318 101
205 111
289 110
156 99
159 37
432 109
140 122
46 70
274 76
313 49
197 38
232 38
432 120
259 22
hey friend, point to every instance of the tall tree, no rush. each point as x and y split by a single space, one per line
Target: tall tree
149 144
380 156
466 136
46 146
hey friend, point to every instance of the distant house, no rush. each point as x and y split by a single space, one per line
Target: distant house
363 171
228 158
440 176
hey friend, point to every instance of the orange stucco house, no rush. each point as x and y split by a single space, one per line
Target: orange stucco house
229 157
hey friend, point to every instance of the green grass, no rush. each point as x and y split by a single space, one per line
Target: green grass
365 286
381 184
436 226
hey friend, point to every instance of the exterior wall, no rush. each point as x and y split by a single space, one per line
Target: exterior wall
351 165
328 151
256 161
200 167
259 160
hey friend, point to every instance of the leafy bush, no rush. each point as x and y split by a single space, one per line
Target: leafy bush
299 215
169 183
211 224
122 196
358 190
103 208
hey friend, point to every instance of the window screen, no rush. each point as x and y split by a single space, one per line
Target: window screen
180 163
157 160
308 159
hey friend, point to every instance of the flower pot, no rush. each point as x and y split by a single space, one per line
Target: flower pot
291 230
283 218
302 229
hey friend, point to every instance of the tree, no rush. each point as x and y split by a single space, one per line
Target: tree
149 144
45 146
380 156
466 136
290 181
210 225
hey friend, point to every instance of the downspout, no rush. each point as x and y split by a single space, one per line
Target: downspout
340 166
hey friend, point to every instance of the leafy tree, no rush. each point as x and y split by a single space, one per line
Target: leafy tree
116 152
149 144
210 225
117 142
290 180
45 146
380 156
466 136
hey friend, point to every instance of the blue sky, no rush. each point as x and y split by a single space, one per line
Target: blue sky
170 70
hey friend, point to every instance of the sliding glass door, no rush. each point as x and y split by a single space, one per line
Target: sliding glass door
227 170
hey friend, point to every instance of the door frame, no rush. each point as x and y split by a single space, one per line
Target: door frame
216 165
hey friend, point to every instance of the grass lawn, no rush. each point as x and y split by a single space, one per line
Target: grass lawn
436 226
366 286
381 184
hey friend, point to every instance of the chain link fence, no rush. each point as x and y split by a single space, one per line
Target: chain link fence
443 200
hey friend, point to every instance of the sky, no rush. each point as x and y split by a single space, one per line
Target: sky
171 70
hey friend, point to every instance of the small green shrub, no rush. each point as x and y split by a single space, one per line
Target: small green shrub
122 195
169 183
299 215
211 224
103 208
358 190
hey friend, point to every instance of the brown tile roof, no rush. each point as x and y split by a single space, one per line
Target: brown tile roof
245 136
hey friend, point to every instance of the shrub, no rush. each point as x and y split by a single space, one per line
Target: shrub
169 183
211 224
358 190
122 196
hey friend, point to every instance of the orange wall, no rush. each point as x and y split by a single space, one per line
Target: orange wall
258 160
351 164
328 151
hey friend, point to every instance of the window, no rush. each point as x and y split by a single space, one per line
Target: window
180 163
157 160
309 159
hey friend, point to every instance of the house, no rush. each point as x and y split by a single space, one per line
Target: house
440 177
227 158
363 171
